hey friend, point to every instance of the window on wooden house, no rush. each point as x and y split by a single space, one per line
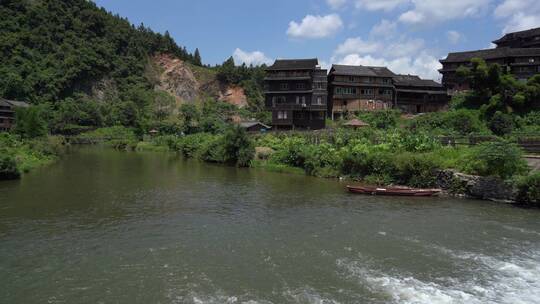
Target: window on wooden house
282 115
284 86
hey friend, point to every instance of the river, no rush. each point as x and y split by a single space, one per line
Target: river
103 226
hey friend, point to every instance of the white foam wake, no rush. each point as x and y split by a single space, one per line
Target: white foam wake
510 281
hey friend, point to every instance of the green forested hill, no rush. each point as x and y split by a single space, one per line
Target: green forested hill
50 49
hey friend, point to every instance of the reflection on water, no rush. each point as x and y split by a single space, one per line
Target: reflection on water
110 227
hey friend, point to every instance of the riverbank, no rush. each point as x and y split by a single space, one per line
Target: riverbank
18 155
492 171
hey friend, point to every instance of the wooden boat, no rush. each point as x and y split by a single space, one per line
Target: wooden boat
395 191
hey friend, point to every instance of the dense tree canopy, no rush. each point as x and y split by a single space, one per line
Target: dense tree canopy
51 49
494 90
250 78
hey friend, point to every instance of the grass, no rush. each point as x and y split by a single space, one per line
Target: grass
31 153
279 168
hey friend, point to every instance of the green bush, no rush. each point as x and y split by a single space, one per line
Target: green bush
412 141
8 167
238 148
190 145
460 122
361 160
212 151
529 189
110 133
416 170
291 152
323 160
383 119
502 159
529 123
501 124
30 122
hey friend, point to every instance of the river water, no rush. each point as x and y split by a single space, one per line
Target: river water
103 226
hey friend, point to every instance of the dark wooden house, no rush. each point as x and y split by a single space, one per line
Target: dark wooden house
296 93
352 89
523 39
7 113
415 95
517 53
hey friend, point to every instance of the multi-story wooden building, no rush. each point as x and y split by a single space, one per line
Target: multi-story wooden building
359 88
524 39
517 53
7 113
296 93
415 95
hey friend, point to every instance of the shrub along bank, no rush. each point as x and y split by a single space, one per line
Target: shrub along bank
19 155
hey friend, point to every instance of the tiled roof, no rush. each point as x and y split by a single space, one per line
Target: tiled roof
521 34
360 70
356 123
294 64
415 81
383 71
491 54
14 103
249 124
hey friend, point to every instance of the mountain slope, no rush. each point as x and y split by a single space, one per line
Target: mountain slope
52 49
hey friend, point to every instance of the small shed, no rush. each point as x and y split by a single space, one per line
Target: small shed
7 112
254 126
356 124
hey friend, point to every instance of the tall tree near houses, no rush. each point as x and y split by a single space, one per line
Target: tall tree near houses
197 57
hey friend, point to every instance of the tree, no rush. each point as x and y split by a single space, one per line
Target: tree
190 116
237 146
501 124
502 159
197 58
8 167
228 73
29 122
163 105
494 90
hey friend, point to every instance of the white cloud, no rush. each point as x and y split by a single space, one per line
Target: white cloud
376 5
384 30
357 45
519 14
426 11
401 55
404 47
453 37
412 17
255 58
395 48
424 65
336 4
314 27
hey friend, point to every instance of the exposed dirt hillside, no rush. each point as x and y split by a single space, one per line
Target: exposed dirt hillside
189 83
234 95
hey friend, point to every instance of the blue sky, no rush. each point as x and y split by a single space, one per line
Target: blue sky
409 36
